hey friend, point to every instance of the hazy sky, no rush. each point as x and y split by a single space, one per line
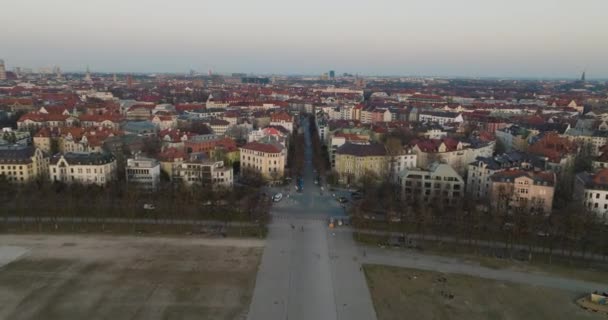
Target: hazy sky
537 38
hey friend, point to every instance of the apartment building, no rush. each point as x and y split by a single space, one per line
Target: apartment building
266 158
353 161
591 189
21 164
83 167
218 126
457 154
207 173
339 139
143 173
439 185
530 190
515 137
282 119
480 171
440 118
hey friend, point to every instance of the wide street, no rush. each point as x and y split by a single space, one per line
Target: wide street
308 271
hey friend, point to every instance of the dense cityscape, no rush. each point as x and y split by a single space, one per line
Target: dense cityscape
506 169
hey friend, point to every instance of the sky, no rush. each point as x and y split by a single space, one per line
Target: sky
469 38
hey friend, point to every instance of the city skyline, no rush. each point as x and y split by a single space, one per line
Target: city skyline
544 39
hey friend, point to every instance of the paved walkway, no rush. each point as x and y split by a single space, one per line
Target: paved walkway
412 259
483 243
308 271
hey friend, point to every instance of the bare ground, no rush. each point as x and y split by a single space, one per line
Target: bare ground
103 277
399 292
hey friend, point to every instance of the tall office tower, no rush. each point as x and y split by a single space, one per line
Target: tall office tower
2 70
332 74
583 77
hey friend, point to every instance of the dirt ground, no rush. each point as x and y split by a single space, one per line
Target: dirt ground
109 277
431 295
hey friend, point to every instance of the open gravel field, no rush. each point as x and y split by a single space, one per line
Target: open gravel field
101 277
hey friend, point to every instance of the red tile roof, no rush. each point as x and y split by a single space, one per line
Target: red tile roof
262 147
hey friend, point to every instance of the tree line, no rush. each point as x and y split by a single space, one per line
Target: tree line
571 228
171 201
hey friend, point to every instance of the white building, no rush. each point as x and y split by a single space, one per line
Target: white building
480 171
219 126
282 119
84 168
206 173
592 190
398 163
440 185
143 172
457 154
322 128
440 117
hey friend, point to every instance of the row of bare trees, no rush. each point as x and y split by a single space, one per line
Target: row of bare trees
320 155
45 200
571 229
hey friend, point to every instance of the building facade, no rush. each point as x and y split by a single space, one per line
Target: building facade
265 158
354 161
143 173
440 185
21 164
207 173
514 189
591 189
83 168
480 171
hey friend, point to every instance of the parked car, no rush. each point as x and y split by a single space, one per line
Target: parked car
149 206
342 200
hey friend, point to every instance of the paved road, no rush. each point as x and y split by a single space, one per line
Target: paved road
29 219
412 259
486 244
308 271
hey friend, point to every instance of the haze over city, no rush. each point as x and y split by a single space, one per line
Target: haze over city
538 39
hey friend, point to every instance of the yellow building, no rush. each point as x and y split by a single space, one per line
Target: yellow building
353 161
529 190
21 164
265 158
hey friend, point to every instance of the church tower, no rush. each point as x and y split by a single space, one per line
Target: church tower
87 77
